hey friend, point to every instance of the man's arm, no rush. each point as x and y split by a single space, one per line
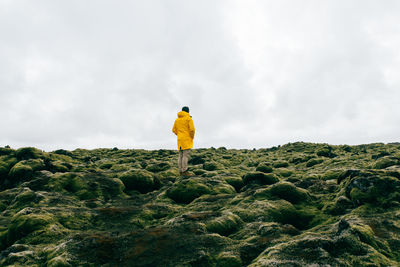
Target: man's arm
191 128
174 129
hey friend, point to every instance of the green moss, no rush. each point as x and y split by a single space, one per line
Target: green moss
59 261
28 153
224 225
21 171
199 172
289 192
6 163
24 169
281 164
235 181
264 167
260 177
332 175
158 167
24 224
71 182
227 259
187 191
385 162
340 206
106 165
223 188
313 162
365 234
26 198
284 172
280 211
120 167
140 180
6 151
326 152
358 196
69 220
59 166
3 206
209 166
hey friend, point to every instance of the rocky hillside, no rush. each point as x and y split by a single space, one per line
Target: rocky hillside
295 205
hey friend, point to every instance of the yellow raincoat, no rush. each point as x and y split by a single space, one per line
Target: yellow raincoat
184 129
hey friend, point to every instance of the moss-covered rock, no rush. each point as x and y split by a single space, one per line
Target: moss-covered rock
26 222
371 189
225 225
28 153
228 259
209 166
385 162
224 188
59 166
264 167
6 151
235 181
20 171
195 160
158 167
284 172
326 152
26 198
280 164
140 180
313 162
289 192
24 169
187 191
260 177
6 163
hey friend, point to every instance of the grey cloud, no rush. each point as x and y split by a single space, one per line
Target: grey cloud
115 73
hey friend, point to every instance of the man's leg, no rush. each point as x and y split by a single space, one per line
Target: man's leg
185 159
180 156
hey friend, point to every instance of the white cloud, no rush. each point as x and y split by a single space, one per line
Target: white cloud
254 73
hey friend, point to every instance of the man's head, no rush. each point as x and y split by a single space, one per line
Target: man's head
185 109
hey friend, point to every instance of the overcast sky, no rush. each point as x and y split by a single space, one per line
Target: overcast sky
96 73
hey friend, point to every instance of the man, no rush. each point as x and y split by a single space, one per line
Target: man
184 129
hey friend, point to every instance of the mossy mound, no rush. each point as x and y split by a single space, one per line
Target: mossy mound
313 162
264 167
209 166
158 167
227 259
186 191
140 180
373 189
326 152
383 163
260 177
6 163
289 192
26 222
235 181
224 225
280 164
28 153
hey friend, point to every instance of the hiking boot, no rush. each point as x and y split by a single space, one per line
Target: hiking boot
186 174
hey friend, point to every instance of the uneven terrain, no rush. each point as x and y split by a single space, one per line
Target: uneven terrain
300 204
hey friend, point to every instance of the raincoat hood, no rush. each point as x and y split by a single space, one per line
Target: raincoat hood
182 114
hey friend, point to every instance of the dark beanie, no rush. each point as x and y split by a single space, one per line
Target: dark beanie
185 109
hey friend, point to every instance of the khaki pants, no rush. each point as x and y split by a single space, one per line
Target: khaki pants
183 160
